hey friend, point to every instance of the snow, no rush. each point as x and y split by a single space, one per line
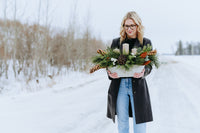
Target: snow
77 102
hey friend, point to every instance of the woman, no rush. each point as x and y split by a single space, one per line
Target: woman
129 97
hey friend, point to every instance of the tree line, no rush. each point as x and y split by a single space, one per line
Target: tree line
34 50
188 48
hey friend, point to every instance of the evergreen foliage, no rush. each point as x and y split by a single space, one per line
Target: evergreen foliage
143 56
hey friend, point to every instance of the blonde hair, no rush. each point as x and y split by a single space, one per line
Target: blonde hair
140 28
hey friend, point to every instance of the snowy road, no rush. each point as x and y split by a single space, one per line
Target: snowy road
81 107
175 94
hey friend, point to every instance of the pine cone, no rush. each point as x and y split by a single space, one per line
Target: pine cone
99 51
152 52
95 68
122 59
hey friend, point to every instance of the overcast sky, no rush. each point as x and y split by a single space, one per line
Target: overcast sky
165 21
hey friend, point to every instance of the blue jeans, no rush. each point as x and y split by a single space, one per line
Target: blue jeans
125 91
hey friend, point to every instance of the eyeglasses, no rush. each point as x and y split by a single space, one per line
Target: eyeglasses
132 26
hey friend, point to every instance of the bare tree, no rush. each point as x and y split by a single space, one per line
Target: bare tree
71 32
5 60
15 37
39 8
37 44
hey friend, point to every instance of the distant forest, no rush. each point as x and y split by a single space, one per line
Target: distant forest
188 48
34 50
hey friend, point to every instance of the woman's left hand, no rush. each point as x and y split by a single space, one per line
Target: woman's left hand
139 75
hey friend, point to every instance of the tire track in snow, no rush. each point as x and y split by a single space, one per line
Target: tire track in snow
174 108
77 86
92 116
190 89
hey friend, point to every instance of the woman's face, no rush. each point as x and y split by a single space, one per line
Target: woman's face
130 28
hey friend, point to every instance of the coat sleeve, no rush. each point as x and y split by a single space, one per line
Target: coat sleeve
113 45
108 75
148 68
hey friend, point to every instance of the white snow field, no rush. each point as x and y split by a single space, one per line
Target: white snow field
77 102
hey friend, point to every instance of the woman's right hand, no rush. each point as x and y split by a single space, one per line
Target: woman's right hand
112 75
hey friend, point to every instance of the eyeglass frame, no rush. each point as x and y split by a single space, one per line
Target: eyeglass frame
129 26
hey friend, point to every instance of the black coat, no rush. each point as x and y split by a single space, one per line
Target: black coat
142 104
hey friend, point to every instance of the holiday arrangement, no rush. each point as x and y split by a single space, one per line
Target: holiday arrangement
125 60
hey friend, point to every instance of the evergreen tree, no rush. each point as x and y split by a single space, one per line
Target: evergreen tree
180 48
189 49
